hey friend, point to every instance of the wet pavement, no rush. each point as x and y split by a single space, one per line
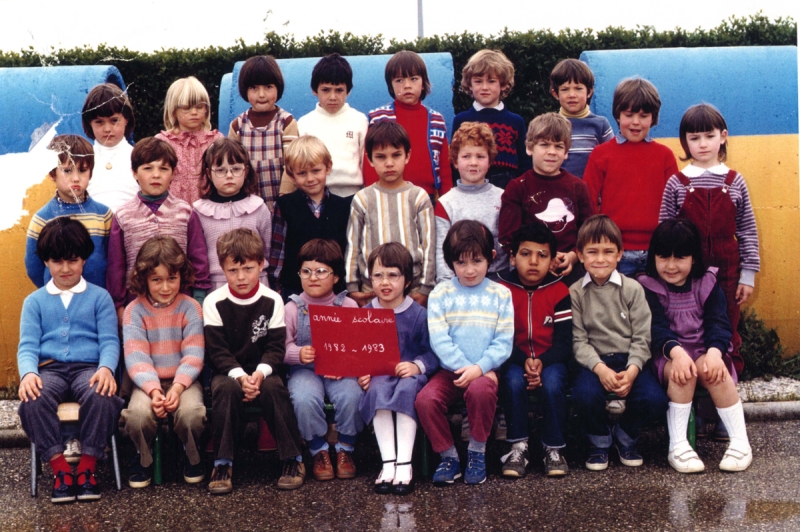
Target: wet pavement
653 497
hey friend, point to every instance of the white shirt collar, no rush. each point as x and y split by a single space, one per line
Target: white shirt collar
615 278
52 289
692 171
478 106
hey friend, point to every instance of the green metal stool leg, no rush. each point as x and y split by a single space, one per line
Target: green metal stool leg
157 473
691 431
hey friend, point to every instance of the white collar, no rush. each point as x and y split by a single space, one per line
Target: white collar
615 278
695 171
478 107
52 289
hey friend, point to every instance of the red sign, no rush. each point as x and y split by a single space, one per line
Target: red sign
353 342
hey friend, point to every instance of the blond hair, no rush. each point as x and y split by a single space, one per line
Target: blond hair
485 62
549 126
304 152
185 91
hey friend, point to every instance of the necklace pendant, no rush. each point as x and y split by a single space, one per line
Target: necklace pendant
108 166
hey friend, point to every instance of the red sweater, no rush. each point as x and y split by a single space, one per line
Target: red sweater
628 181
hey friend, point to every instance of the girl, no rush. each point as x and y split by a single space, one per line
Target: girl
392 270
162 330
187 128
691 341
228 201
715 198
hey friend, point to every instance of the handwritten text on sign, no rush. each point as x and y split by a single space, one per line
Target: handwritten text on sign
352 342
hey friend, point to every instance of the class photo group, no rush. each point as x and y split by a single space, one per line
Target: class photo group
176 279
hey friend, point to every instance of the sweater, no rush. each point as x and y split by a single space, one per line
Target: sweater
113 187
622 174
163 343
468 202
292 356
94 216
509 136
471 324
562 202
380 215
587 133
189 146
85 331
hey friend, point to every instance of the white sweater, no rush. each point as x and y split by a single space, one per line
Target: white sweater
116 186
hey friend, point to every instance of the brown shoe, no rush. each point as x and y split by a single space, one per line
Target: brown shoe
221 480
294 473
345 466
323 468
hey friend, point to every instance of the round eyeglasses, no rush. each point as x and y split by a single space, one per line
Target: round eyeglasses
319 273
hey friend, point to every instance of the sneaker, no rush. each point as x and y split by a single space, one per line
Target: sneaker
597 460
736 459
476 468
683 459
323 468
629 456
87 487
193 474
72 451
220 482
720 433
64 488
138 475
345 466
449 471
554 464
515 462
294 473
500 428
616 407
465 429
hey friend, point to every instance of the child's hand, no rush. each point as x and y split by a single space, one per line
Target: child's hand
468 374
362 298
492 376
625 380
742 293
251 385
607 376
106 385
364 382
332 377
562 264
683 368
419 298
406 369
713 367
157 404
307 354
173 399
29 387
533 373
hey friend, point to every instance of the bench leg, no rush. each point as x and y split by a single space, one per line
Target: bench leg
691 431
34 469
157 477
115 461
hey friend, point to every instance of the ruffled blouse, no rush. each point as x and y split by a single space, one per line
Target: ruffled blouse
189 147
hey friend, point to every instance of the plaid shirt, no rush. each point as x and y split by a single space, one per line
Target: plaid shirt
265 147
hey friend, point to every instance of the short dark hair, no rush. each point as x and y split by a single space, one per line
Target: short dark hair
468 237
386 133
702 118
406 63
536 231
103 101
394 255
573 70
333 69
220 150
240 245
676 237
596 229
160 251
325 251
151 149
64 238
553 127
72 150
636 94
260 70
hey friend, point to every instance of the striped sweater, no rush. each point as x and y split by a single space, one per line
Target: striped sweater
588 132
163 343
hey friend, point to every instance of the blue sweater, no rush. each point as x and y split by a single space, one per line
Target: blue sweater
509 135
95 216
586 134
85 332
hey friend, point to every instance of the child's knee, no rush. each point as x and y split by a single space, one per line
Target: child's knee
513 380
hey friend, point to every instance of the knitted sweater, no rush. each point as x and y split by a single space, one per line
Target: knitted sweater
380 215
509 135
94 216
471 324
623 174
587 133
468 202
163 343
113 187
189 147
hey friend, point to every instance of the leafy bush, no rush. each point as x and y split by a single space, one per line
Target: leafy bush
762 350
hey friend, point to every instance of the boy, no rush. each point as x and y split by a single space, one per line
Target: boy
548 193
611 342
572 84
632 170
245 344
472 151
542 350
321 266
153 212
471 325
71 175
68 350
488 77
311 211
391 210
340 127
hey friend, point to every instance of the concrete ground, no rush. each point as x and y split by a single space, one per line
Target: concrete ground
653 497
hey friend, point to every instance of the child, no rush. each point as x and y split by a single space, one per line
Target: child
632 170
321 264
724 215
164 349
691 342
471 325
407 80
229 200
74 163
472 151
548 193
611 342
542 350
572 84
264 129
488 77
391 268
107 118
245 345
68 350
154 211
340 127
310 212
187 128
391 210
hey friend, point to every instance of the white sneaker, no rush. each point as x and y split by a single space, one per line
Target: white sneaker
72 451
736 459
616 407
684 460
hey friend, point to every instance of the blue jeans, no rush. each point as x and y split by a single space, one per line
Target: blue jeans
645 403
632 263
552 400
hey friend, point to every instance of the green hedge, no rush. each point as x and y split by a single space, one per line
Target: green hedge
534 54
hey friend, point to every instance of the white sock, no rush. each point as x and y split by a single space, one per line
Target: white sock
521 445
384 433
406 433
733 418
677 423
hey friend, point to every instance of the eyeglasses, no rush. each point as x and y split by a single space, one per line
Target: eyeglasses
320 273
199 106
392 277
236 171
